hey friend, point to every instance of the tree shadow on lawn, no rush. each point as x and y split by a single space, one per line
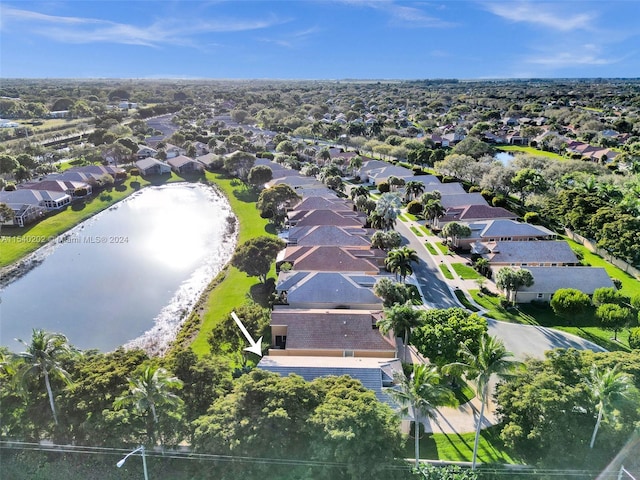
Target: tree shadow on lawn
247 195
78 206
261 292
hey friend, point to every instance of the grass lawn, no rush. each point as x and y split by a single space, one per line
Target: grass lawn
532 314
232 290
465 272
459 447
443 248
431 248
417 232
464 300
531 151
445 271
630 285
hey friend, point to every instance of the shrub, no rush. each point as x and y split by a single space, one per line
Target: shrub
634 338
532 217
10 187
487 194
474 189
414 207
383 187
499 201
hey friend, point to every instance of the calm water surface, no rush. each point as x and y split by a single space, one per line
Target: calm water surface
126 276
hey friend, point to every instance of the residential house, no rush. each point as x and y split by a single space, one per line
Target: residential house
329 217
376 374
488 231
548 280
551 253
332 259
322 203
23 213
38 198
473 213
152 166
207 160
146 152
379 175
173 151
462 200
70 187
329 333
329 235
453 188
327 290
183 164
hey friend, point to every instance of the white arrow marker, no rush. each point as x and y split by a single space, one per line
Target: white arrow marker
256 347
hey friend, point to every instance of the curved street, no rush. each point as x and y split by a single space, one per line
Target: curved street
522 340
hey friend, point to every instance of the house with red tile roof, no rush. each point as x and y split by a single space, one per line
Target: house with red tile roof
332 259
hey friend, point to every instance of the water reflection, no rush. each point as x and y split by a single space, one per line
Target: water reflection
129 275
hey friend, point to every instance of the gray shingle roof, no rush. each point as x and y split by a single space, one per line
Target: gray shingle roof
535 252
585 279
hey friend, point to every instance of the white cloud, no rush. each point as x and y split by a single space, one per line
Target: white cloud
401 14
92 30
544 14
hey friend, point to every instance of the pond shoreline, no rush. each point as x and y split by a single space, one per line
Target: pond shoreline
167 324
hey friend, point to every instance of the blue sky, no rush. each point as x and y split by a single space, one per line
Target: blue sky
320 39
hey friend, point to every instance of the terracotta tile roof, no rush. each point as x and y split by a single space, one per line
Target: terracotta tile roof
328 259
329 235
329 217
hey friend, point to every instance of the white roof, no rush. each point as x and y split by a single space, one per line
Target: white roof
585 279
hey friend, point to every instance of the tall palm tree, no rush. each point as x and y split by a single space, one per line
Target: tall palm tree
401 319
414 188
606 387
399 261
420 395
42 359
492 358
149 391
433 210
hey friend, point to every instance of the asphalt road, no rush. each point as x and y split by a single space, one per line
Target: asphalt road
522 340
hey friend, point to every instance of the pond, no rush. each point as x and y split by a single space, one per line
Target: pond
127 276
505 157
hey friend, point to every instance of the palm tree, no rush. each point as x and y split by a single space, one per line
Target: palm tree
433 210
42 358
492 358
606 388
400 319
359 191
420 395
150 390
388 206
399 261
414 188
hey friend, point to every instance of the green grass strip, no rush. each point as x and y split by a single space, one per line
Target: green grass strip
465 272
460 295
630 284
445 271
431 248
443 248
417 232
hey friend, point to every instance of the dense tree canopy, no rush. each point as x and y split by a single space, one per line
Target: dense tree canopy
255 256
